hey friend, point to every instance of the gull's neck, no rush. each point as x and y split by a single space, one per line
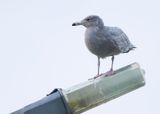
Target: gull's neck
95 27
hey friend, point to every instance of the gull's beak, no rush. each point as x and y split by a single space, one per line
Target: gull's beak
76 24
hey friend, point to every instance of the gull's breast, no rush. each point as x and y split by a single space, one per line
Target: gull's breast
98 44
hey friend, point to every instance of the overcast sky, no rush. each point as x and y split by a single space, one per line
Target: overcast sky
39 49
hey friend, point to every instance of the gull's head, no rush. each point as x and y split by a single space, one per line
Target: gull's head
90 21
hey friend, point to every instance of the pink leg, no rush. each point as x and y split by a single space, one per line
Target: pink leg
110 72
98 69
98 75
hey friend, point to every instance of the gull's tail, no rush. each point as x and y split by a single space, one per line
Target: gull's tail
131 48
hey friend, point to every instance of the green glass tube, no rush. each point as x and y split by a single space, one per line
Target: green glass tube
94 92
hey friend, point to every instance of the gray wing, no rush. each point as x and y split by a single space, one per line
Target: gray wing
120 39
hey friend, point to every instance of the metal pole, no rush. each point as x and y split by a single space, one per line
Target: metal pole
89 94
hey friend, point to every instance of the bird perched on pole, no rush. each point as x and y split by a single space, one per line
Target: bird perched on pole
104 41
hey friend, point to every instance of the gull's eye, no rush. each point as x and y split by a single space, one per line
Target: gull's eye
88 19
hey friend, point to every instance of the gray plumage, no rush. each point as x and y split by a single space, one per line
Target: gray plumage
104 41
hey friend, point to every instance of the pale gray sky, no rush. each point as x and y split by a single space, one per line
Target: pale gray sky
39 49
